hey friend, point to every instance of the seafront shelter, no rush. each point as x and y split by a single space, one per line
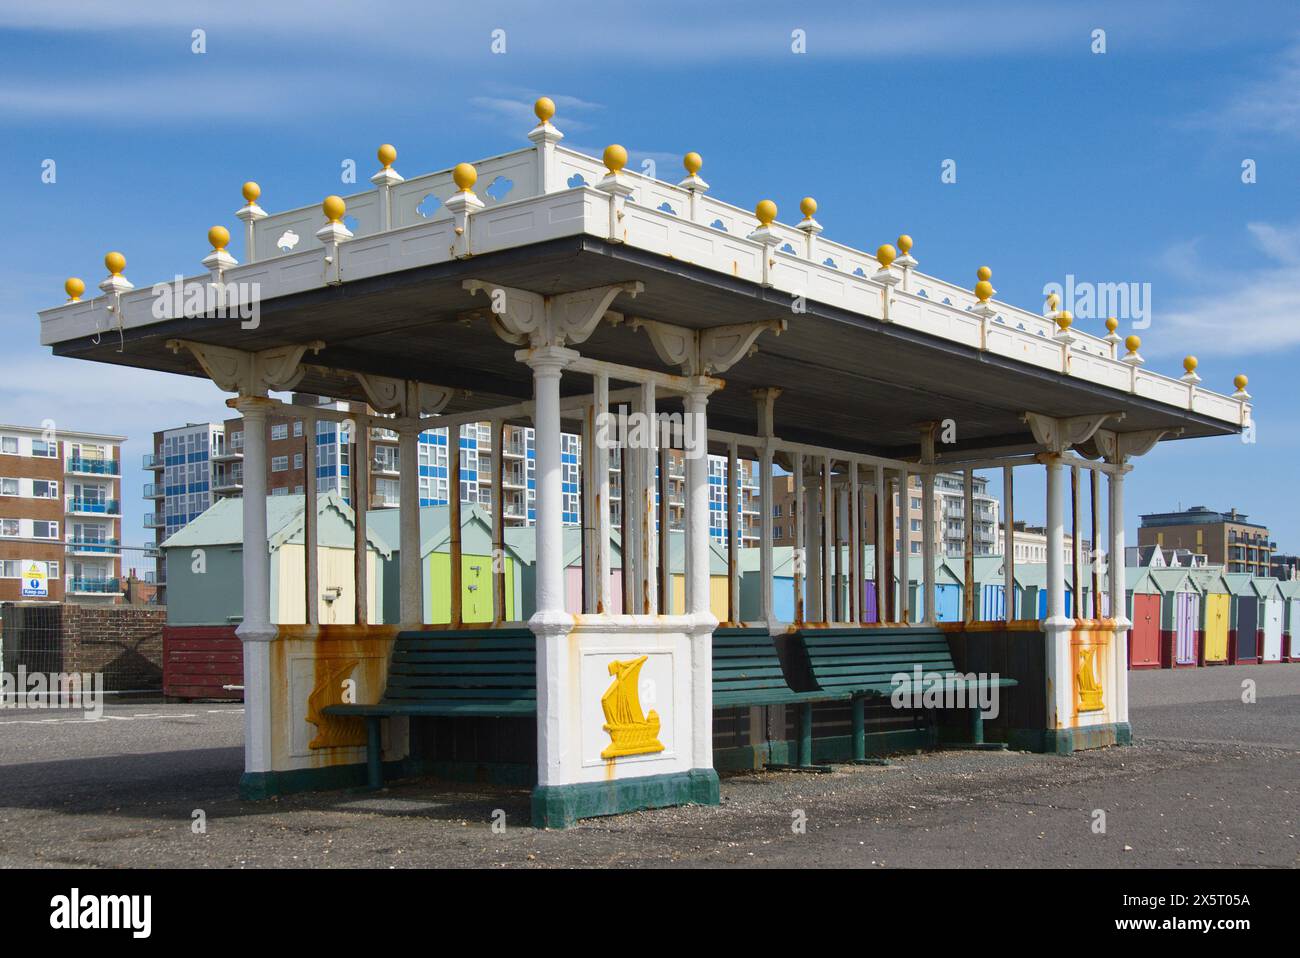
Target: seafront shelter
546 287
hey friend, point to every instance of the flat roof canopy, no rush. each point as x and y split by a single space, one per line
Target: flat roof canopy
848 380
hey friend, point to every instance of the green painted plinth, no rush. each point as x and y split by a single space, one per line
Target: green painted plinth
1065 741
257 786
560 806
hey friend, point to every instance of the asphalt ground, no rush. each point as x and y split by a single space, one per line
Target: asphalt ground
1210 781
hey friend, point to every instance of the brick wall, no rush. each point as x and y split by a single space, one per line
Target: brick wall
125 643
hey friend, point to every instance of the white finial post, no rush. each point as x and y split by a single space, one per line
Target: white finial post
810 227
250 213
693 185
544 137
462 205
385 180
619 189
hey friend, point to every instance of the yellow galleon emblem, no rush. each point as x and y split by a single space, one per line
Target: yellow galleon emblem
631 732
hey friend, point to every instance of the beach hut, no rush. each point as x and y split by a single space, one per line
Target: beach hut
476 585
1034 595
1144 601
1243 619
1290 592
1179 615
204 559
1272 612
1216 606
947 591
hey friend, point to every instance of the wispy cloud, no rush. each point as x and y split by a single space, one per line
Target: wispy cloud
1253 314
1268 104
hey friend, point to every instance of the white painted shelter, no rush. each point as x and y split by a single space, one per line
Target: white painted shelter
566 287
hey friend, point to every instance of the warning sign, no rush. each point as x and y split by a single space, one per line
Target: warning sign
35 580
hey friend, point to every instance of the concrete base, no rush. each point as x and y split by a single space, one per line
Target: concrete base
560 806
1064 741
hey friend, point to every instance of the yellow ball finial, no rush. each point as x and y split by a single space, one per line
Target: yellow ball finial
387 154
1112 324
905 244
465 176
544 108
984 291
693 162
766 212
615 158
1053 301
1190 363
115 262
1240 382
808 206
1133 343
251 192
1064 318
218 236
984 274
885 256
74 288
334 208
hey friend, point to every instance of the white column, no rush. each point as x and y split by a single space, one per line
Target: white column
360 467
499 600
550 623
812 526
410 575
968 545
882 509
733 534
256 631
904 544
600 462
765 530
649 540
311 556
854 520
697 581
1056 626
587 496
800 557
1118 590
927 542
1009 545
828 543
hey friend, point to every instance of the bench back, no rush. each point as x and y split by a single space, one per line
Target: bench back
744 661
470 665
844 659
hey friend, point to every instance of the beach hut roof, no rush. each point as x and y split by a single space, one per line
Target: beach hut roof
223 524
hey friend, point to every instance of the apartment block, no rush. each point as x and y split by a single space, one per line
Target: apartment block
60 515
1224 538
949 518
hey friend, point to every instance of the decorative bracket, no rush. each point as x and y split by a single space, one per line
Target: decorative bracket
521 317
405 397
1059 435
250 373
1117 447
703 352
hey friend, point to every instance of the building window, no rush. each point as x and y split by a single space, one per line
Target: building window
297 429
297 460
45 530
236 441
8 487
9 445
280 464
53 570
8 527
45 489
280 430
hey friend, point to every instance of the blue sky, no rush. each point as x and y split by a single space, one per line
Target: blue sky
1123 166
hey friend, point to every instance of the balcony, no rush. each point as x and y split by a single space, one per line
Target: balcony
151 460
93 507
91 546
153 551
154 490
154 520
228 485
91 467
89 586
228 455
386 467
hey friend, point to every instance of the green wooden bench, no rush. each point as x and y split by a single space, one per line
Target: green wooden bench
478 672
747 671
861 663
